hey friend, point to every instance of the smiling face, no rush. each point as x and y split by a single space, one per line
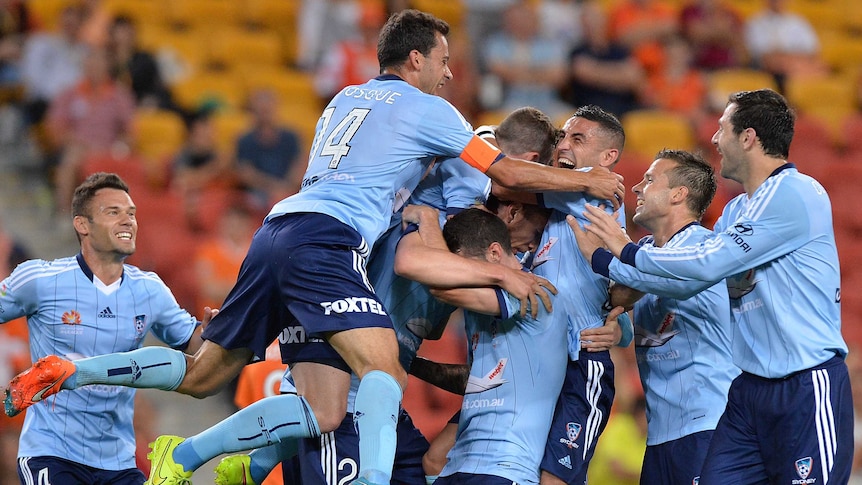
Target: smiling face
729 146
435 71
582 144
653 193
110 226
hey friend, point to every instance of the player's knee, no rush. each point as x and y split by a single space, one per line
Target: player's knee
328 418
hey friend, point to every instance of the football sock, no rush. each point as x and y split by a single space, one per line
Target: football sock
147 367
263 460
377 403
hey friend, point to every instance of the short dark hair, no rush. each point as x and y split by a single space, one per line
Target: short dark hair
85 192
471 231
527 130
405 31
769 114
695 173
609 124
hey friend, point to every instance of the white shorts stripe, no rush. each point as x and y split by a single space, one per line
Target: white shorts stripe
329 458
824 421
25 470
595 371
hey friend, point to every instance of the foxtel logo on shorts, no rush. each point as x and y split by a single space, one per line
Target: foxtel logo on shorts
356 304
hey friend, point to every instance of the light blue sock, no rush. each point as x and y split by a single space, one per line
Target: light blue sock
378 400
263 460
277 418
429 479
147 367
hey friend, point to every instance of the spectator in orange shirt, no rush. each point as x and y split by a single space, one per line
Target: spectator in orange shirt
677 87
217 260
641 25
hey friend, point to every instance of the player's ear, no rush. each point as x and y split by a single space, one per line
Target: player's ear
81 224
495 252
679 194
416 59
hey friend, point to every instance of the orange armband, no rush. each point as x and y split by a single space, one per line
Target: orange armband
480 154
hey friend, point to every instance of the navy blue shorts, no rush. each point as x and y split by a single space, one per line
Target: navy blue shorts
306 269
677 461
796 430
580 416
37 470
334 457
473 479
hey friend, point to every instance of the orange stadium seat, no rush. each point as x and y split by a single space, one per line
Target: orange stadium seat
649 131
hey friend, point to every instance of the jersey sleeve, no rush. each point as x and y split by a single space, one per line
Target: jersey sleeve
443 131
773 224
19 293
172 325
463 186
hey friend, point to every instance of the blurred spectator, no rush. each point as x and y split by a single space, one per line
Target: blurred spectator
15 23
136 68
200 167
678 86
12 253
530 66
641 25
483 18
51 63
322 23
95 23
268 155
218 258
782 42
561 19
352 60
602 72
464 92
91 118
619 454
715 33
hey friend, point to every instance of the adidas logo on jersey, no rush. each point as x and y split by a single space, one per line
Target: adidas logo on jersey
107 313
566 462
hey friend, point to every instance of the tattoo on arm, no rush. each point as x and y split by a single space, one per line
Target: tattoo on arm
449 377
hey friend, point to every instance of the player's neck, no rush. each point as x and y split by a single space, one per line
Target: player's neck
108 267
759 171
669 227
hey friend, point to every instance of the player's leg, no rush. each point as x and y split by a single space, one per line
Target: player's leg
372 353
811 437
581 415
435 458
677 461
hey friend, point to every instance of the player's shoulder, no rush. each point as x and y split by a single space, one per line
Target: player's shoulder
138 276
38 268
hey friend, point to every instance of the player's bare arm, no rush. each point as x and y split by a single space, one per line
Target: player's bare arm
449 377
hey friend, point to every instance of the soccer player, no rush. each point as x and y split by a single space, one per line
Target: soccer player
527 134
789 415
517 363
682 327
84 306
307 262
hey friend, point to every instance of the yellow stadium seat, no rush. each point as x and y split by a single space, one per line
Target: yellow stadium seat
649 131
302 120
229 126
451 12
840 50
725 82
188 46
209 87
233 47
47 12
279 16
140 11
158 137
824 16
198 13
746 8
295 89
831 99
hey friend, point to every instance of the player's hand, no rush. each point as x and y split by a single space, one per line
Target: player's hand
587 242
415 214
606 185
603 338
209 313
529 288
606 227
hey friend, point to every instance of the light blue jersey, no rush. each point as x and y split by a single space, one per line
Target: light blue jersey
363 180
560 262
517 366
70 314
777 251
682 344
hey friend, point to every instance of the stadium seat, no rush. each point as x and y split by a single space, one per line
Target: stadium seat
188 46
47 12
229 125
451 12
158 136
721 84
824 16
278 16
295 89
203 13
746 8
220 88
140 11
831 99
841 51
649 131
230 48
